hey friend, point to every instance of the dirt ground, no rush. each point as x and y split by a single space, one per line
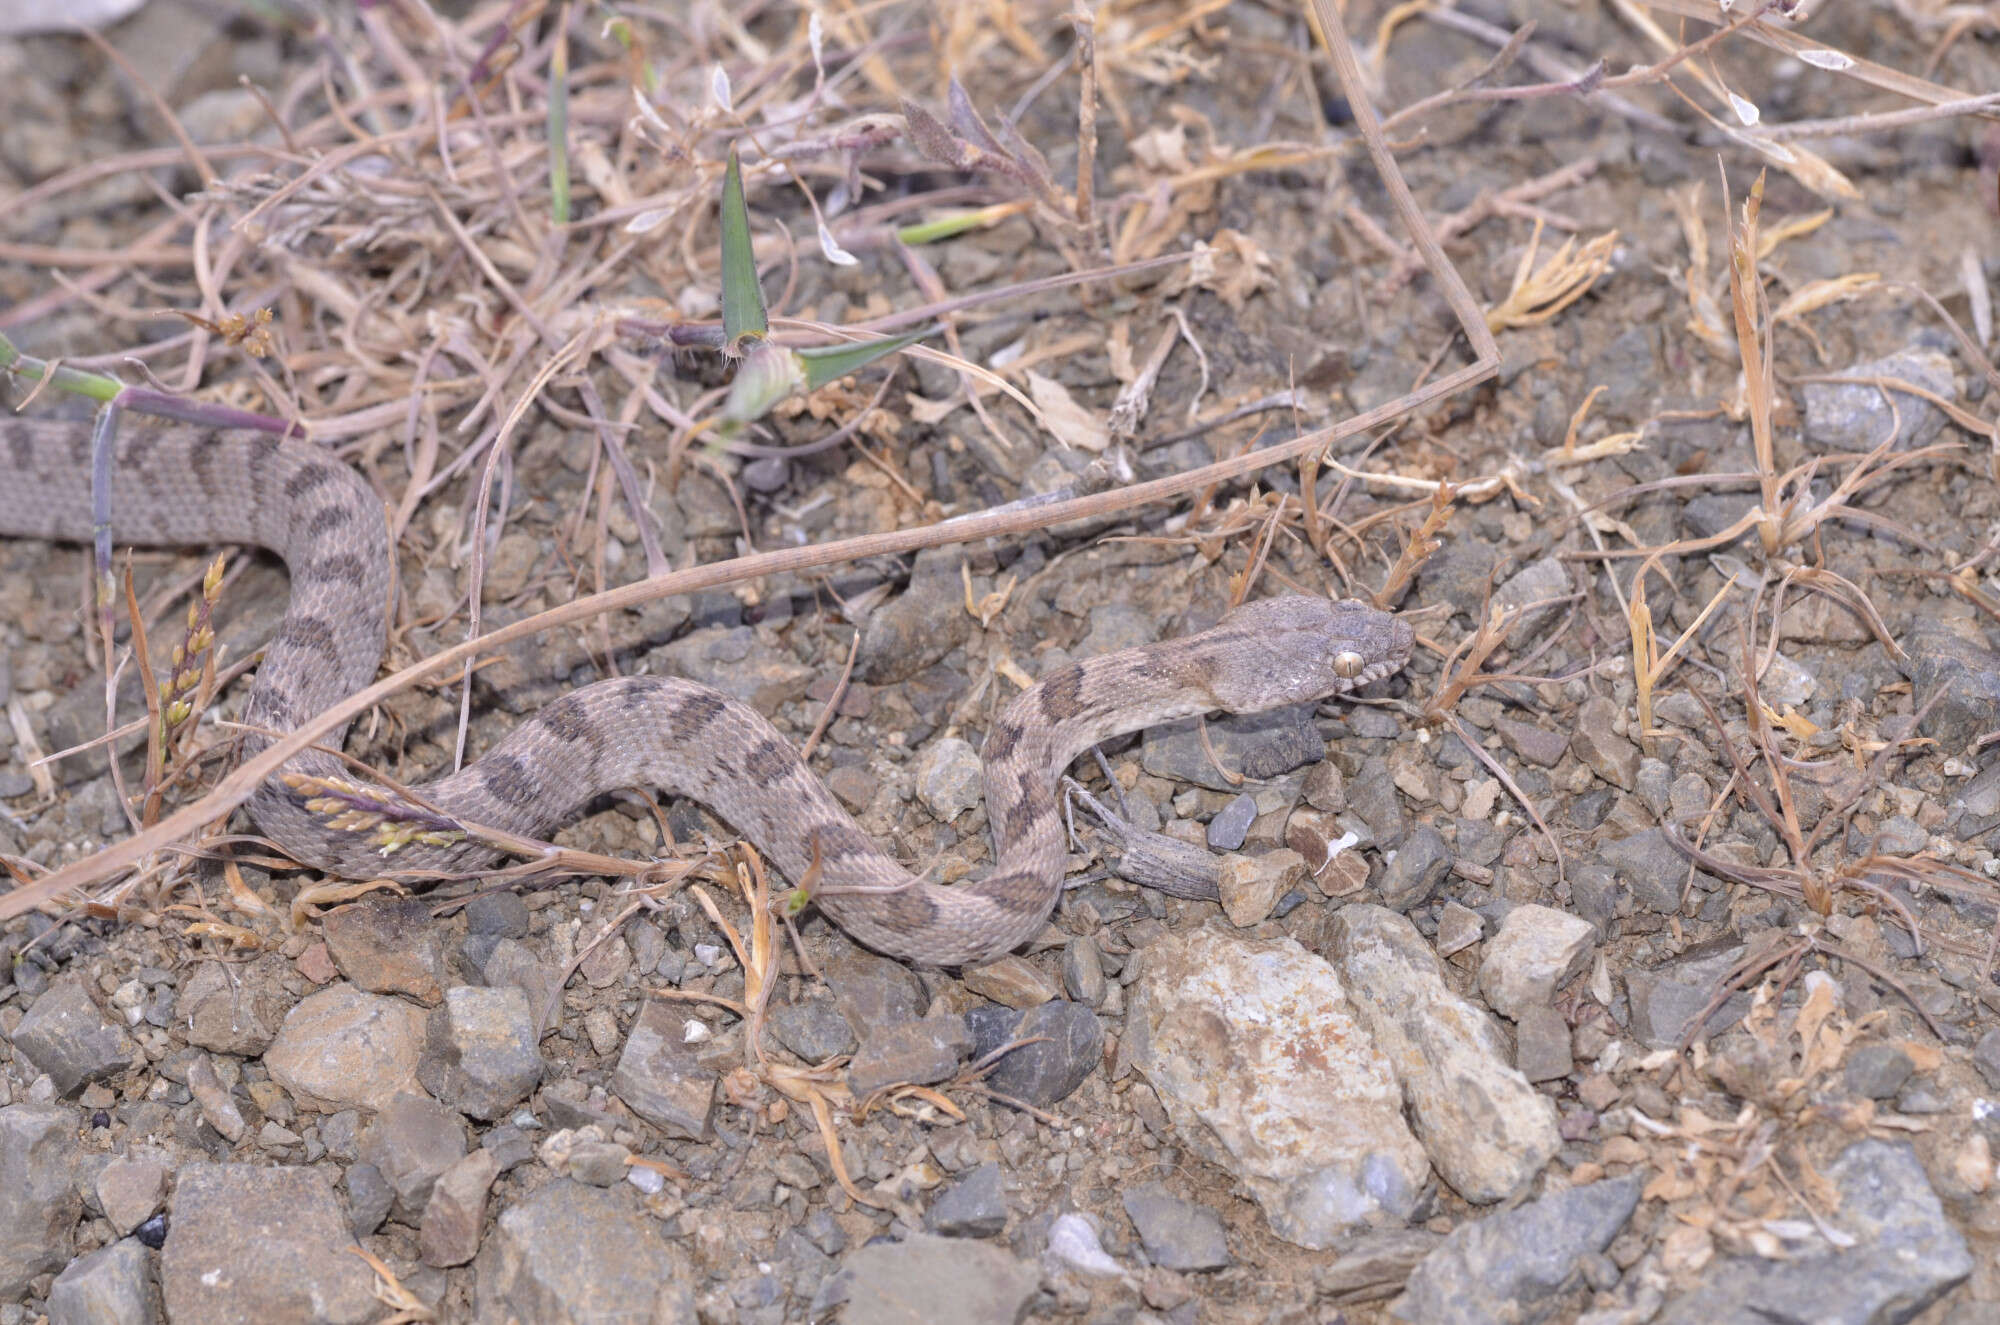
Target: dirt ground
1763 1058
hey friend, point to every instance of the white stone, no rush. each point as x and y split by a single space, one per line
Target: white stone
1537 951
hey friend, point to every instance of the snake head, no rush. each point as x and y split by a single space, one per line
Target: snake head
1308 648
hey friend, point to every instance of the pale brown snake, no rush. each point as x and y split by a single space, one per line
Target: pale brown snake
179 486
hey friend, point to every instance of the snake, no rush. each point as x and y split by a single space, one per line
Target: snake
180 485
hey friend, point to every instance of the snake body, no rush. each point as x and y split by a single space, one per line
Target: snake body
182 486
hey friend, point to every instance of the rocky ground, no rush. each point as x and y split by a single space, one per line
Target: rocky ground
1465 1035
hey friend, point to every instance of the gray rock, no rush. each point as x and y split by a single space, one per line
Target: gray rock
1310 1122
513 963
1537 582
1372 797
217 1104
39 1205
234 1009
919 1052
926 1278
481 1053
1542 1045
1876 1071
566 1252
1666 1002
502 915
919 627
66 1036
1070 1045
1520 1265
249 1245
342 1048
1260 746
1227 829
1600 747
1484 1128
1651 867
950 778
1950 661
1537 951
113 1285
1533 744
873 992
449 1232
1907 1255
1177 1234
130 1189
388 946
598 1163
812 1028
1083 971
1416 869
412 1141
1986 1057
1843 416
973 1207
660 1078
369 1197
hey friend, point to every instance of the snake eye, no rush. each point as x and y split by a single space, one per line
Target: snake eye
1347 664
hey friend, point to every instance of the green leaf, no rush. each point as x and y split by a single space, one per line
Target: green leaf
742 302
828 362
559 130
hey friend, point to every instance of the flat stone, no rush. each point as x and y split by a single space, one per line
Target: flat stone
1177 1234
1537 582
1486 1130
925 1278
1230 823
1459 927
1069 1045
449 1231
412 1140
1599 746
1311 1122
113 1285
1666 1002
812 1028
567 1252
1651 867
1411 875
1249 887
229 1008
872 991
973 1207
130 1190
1083 971
918 1052
1848 416
660 1078
1906 1255
66 1036
343 1048
1325 788
1537 951
369 1197
1014 982
481 1052
212 1098
388 945
39 1205
1877 1071
251 1245
1954 673
1536 745
1542 1045
1519 1264
1986 1057
950 778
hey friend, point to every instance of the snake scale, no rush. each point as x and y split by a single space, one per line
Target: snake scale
183 486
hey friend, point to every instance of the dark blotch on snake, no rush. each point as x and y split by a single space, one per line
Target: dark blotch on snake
509 780
769 763
307 479
309 632
693 716
1062 695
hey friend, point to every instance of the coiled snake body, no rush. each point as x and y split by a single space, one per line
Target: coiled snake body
180 486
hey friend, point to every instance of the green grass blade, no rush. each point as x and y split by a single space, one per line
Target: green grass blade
742 300
829 362
559 126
